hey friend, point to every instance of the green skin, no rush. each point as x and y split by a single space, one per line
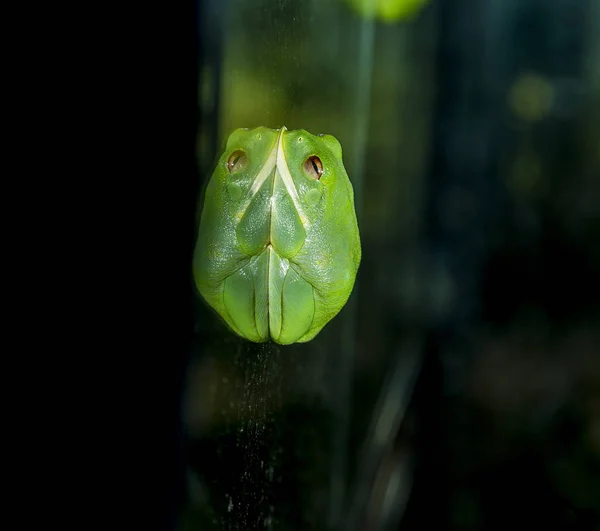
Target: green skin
278 248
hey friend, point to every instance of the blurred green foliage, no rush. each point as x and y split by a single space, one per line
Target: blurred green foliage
389 11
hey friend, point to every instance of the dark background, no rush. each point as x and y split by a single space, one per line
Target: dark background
502 425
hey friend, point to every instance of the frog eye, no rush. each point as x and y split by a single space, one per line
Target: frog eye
238 160
313 167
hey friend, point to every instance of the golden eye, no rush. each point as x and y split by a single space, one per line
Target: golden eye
237 161
314 167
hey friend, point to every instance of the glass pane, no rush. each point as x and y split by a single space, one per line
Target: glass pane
470 135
